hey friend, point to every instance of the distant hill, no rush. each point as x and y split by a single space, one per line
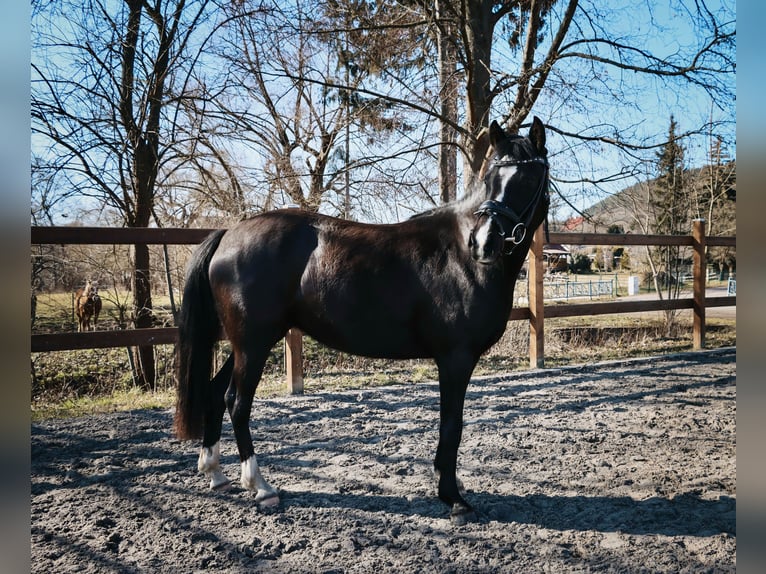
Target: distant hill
627 211
626 207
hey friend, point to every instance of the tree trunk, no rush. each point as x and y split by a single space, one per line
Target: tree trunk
169 282
479 26
144 177
448 91
143 317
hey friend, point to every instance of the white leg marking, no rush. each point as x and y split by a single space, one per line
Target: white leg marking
266 495
209 464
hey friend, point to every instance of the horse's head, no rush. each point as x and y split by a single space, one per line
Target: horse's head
516 183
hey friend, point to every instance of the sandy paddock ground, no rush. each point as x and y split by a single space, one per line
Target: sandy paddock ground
625 466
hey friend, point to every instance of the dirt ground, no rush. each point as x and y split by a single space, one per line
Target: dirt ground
624 466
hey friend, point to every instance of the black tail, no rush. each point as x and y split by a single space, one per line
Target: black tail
198 330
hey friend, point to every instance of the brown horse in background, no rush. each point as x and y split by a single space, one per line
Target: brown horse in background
87 304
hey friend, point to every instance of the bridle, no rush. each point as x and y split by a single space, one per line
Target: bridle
513 226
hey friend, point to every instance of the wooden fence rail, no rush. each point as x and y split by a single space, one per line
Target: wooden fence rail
535 313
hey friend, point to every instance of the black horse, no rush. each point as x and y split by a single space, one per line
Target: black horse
438 285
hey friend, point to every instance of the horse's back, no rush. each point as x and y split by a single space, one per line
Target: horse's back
281 246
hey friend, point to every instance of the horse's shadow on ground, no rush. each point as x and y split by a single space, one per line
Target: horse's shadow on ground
683 515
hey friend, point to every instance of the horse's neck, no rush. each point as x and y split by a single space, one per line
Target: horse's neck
465 208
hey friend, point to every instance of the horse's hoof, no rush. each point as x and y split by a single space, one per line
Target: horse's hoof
267 500
462 514
221 486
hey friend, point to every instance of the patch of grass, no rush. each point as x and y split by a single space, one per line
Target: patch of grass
573 340
123 400
69 383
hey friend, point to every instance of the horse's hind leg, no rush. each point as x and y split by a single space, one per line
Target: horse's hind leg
248 367
209 461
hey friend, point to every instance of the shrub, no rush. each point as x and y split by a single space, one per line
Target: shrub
581 263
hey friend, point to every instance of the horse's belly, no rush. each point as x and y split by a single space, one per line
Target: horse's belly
371 332
375 348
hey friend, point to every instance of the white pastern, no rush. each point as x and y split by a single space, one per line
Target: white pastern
209 463
266 495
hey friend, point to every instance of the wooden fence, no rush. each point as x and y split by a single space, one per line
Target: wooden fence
535 313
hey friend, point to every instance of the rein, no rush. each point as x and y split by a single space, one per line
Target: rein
501 213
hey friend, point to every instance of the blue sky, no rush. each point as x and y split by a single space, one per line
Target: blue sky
663 33
639 102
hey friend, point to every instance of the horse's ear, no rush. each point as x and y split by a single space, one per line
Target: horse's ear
496 133
537 136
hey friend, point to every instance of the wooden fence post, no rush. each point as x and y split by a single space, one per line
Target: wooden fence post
699 280
536 301
294 361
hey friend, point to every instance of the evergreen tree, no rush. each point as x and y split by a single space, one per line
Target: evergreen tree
670 202
670 199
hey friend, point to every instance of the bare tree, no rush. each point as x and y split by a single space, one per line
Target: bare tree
107 79
715 194
448 98
585 67
294 93
503 57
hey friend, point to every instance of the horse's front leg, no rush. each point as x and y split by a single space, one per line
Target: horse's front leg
454 375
